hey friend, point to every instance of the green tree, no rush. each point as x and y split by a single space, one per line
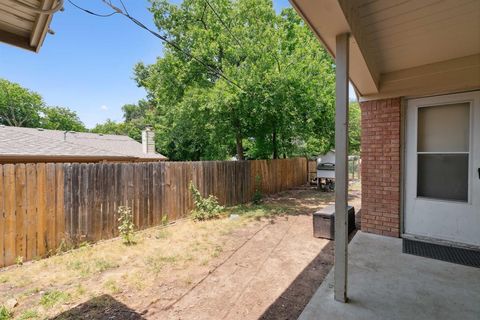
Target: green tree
354 129
19 107
61 118
285 105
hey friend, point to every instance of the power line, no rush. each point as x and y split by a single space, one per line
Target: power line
224 24
230 31
91 12
163 38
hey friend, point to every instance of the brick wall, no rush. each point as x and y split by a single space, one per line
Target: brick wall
381 166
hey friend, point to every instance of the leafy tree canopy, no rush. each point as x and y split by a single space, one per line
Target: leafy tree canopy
285 103
21 107
254 83
61 118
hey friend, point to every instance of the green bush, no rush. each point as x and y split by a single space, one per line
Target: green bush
205 208
5 314
257 195
126 228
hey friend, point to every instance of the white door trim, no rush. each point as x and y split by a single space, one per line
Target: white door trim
461 217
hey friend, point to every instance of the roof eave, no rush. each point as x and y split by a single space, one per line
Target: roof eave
60 158
335 19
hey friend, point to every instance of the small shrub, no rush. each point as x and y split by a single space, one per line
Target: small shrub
5 314
165 220
19 260
126 227
257 195
52 298
205 208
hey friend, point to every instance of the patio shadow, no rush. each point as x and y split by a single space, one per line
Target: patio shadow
290 304
101 307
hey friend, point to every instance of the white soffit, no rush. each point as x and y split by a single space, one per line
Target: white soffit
411 47
22 25
327 20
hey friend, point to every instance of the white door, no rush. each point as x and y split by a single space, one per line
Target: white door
442 168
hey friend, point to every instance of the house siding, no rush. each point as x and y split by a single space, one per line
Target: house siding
380 144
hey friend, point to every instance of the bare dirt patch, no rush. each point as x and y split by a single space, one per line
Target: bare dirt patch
264 263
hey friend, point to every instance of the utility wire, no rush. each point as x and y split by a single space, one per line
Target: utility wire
230 30
224 24
163 38
91 12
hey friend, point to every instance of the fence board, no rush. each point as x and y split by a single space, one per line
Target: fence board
59 205
31 220
20 211
2 221
43 205
9 205
50 206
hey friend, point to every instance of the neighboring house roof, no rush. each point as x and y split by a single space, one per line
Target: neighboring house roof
25 23
17 142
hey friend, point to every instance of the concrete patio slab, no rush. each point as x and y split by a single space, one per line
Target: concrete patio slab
385 283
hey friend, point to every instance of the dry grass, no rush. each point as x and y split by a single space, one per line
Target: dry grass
48 287
164 259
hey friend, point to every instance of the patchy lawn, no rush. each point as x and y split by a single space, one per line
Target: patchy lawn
261 262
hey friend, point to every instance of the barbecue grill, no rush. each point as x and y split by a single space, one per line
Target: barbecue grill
326 172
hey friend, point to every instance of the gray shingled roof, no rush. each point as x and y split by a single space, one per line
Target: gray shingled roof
16 141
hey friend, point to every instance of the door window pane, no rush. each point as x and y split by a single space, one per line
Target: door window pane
443 176
444 128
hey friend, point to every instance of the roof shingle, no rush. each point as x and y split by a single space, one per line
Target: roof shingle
16 141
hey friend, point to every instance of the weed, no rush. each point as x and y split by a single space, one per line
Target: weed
3 279
163 234
136 281
216 251
112 286
205 208
84 245
29 314
165 220
257 195
54 297
126 228
5 314
30 292
80 290
19 260
156 264
102 265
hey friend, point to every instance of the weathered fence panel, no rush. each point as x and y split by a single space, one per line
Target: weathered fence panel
43 205
32 220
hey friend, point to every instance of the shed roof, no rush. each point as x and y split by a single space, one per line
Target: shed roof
32 142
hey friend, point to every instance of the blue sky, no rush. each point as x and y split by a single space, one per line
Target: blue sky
88 64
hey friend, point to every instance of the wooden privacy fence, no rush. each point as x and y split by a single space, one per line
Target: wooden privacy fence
44 205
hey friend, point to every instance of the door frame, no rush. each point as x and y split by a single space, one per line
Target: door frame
409 128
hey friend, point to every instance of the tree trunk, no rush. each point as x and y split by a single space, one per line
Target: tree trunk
274 143
239 142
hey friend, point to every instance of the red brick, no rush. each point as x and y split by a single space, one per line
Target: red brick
381 122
